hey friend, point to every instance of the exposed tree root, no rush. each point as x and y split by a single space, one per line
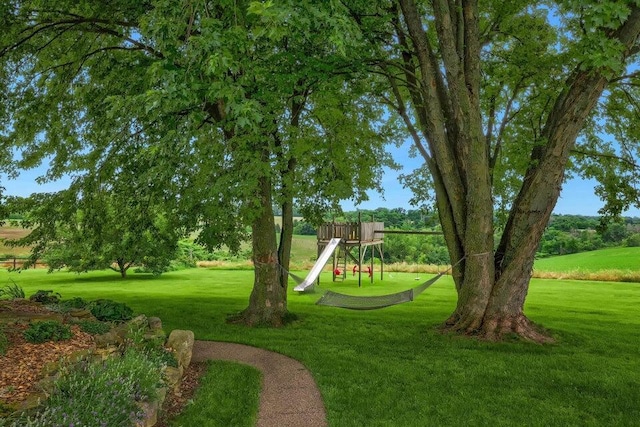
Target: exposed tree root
519 325
498 329
463 324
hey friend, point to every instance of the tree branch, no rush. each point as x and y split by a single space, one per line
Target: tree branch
596 155
67 25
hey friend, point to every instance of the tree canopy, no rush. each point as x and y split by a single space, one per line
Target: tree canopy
225 107
239 106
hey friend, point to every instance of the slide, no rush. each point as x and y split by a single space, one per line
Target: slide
317 267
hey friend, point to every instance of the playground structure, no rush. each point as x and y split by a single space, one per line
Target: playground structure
356 239
337 241
344 242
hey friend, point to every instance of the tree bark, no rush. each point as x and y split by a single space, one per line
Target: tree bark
268 300
286 240
288 177
122 268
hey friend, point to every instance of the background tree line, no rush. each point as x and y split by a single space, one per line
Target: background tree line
565 234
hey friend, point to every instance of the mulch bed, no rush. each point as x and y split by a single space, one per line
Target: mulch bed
175 403
21 367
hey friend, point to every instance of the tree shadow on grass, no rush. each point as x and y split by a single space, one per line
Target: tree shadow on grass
115 279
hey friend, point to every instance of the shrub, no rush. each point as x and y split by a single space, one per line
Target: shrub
94 328
74 302
45 297
4 342
12 291
67 305
633 241
107 310
99 394
49 330
162 357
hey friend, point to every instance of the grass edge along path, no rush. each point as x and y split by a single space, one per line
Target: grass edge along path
392 367
228 395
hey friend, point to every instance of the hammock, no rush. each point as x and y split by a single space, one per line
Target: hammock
355 302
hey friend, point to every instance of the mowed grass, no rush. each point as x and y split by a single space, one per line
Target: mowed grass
392 367
228 395
304 251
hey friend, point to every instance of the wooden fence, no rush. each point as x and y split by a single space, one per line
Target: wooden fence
17 262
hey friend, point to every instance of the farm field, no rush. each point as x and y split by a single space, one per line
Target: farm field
392 367
278 219
624 258
8 231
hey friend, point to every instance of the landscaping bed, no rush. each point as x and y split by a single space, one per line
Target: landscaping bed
22 366
48 351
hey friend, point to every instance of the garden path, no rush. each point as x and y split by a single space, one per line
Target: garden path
289 396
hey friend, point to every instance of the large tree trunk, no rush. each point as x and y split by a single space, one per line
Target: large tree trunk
268 300
444 91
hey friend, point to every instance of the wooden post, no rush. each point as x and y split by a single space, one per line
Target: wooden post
344 270
359 266
372 257
381 261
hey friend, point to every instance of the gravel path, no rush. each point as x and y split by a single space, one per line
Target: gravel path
289 397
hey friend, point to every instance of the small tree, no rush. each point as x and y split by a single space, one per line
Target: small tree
100 230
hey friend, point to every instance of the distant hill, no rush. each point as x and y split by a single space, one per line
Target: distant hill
621 258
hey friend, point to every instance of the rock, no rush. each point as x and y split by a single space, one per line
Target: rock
110 339
121 331
80 314
101 354
155 335
181 342
150 416
172 377
32 401
162 395
50 368
47 385
139 322
155 323
79 355
40 317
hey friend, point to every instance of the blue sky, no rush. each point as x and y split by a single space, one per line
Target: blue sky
577 196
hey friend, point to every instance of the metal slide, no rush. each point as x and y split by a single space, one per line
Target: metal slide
320 263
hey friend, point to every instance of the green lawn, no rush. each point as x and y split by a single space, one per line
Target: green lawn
603 259
228 395
392 367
